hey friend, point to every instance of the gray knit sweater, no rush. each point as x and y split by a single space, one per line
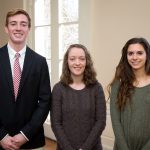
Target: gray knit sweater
78 117
132 126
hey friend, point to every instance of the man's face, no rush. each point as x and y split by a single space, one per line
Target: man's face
17 29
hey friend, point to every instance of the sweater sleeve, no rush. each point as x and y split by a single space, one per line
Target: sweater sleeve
100 119
56 119
115 118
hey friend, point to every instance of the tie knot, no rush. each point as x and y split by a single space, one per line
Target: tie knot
17 55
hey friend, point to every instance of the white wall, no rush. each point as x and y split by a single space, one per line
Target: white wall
114 23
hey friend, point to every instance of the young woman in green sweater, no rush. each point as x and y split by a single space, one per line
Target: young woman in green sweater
130 97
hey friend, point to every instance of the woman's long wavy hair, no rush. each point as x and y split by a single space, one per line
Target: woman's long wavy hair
89 76
124 72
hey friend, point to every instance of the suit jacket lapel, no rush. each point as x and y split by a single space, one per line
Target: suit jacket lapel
5 64
26 67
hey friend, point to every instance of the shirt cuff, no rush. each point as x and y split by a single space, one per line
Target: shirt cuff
24 135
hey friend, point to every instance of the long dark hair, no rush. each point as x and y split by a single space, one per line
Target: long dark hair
124 73
89 76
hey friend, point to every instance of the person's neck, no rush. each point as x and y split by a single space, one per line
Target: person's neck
77 84
17 47
140 74
142 79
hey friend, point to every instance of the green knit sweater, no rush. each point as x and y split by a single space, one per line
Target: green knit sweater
132 125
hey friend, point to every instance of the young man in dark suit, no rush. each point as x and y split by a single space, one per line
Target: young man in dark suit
25 92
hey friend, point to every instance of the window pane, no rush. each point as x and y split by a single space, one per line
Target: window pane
42 41
68 10
42 12
68 35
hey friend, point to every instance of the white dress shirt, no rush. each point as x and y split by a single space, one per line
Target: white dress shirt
12 53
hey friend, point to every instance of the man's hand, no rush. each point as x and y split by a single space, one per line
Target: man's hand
8 144
19 139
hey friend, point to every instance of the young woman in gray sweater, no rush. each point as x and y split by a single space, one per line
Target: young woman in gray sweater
78 113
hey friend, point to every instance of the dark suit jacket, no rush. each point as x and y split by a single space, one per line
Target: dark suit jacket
29 111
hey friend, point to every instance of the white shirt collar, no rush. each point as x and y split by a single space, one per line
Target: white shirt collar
12 52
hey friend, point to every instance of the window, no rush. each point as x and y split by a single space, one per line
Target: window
68 26
42 29
54 28
55 25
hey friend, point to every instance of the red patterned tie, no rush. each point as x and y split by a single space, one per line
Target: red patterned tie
17 74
